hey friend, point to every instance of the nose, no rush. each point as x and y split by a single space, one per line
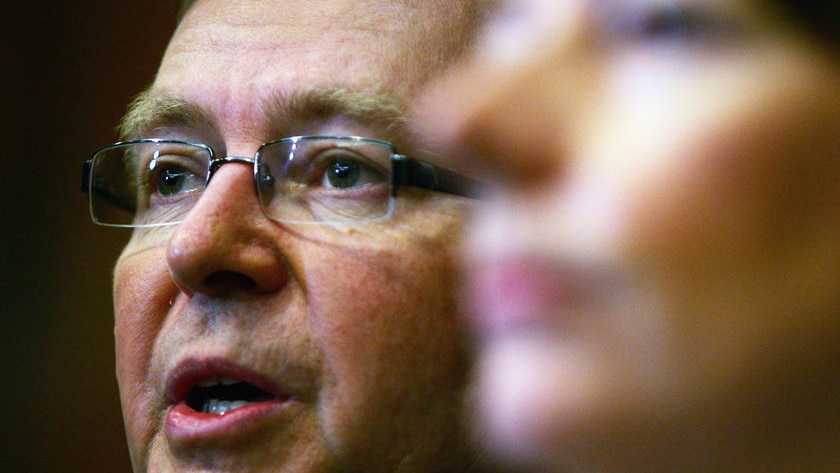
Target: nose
508 124
226 245
512 122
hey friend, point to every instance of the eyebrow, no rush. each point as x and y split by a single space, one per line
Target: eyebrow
318 104
153 109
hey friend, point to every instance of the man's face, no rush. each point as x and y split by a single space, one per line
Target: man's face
332 348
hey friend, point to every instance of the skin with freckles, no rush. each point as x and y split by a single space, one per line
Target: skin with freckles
350 330
654 283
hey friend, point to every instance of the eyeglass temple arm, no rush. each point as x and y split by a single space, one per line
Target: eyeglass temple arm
408 171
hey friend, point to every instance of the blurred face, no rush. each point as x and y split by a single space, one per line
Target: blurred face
655 285
246 345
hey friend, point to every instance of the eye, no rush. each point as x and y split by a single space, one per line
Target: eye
172 174
174 180
344 169
664 23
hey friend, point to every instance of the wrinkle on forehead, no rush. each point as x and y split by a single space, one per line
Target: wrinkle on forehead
226 24
251 68
417 37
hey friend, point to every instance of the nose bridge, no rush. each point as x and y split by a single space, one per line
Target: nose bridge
232 193
224 243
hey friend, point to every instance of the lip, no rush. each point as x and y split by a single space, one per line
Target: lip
520 292
184 425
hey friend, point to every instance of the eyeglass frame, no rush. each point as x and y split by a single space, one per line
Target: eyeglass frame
405 171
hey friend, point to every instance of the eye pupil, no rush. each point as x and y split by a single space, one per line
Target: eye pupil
344 173
170 182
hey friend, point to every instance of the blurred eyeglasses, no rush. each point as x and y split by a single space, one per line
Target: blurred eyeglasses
300 180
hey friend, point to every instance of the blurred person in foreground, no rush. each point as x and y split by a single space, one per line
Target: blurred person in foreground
285 301
655 284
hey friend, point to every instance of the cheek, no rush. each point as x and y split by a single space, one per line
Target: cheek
142 291
738 192
385 321
733 181
734 209
389 315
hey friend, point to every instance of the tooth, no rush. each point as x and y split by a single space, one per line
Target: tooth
209 382
238 404
223 380
220 407
223 408
210 406
227 406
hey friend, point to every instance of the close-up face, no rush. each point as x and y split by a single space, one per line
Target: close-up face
654 282
246 344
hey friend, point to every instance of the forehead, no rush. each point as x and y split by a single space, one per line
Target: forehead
253 46
230 57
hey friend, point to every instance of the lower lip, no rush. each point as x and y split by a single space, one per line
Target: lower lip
185 425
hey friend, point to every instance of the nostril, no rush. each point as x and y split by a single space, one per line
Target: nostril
229 281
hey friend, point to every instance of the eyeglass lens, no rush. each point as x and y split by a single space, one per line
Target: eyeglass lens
302 180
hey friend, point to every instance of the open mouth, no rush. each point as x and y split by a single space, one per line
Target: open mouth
210 399
222 395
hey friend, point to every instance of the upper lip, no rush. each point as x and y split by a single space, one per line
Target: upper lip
520 289
193 373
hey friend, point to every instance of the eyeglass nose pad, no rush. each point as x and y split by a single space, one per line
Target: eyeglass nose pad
265 183
265 179
216 163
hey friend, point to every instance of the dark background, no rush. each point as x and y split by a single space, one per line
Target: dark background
69 68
